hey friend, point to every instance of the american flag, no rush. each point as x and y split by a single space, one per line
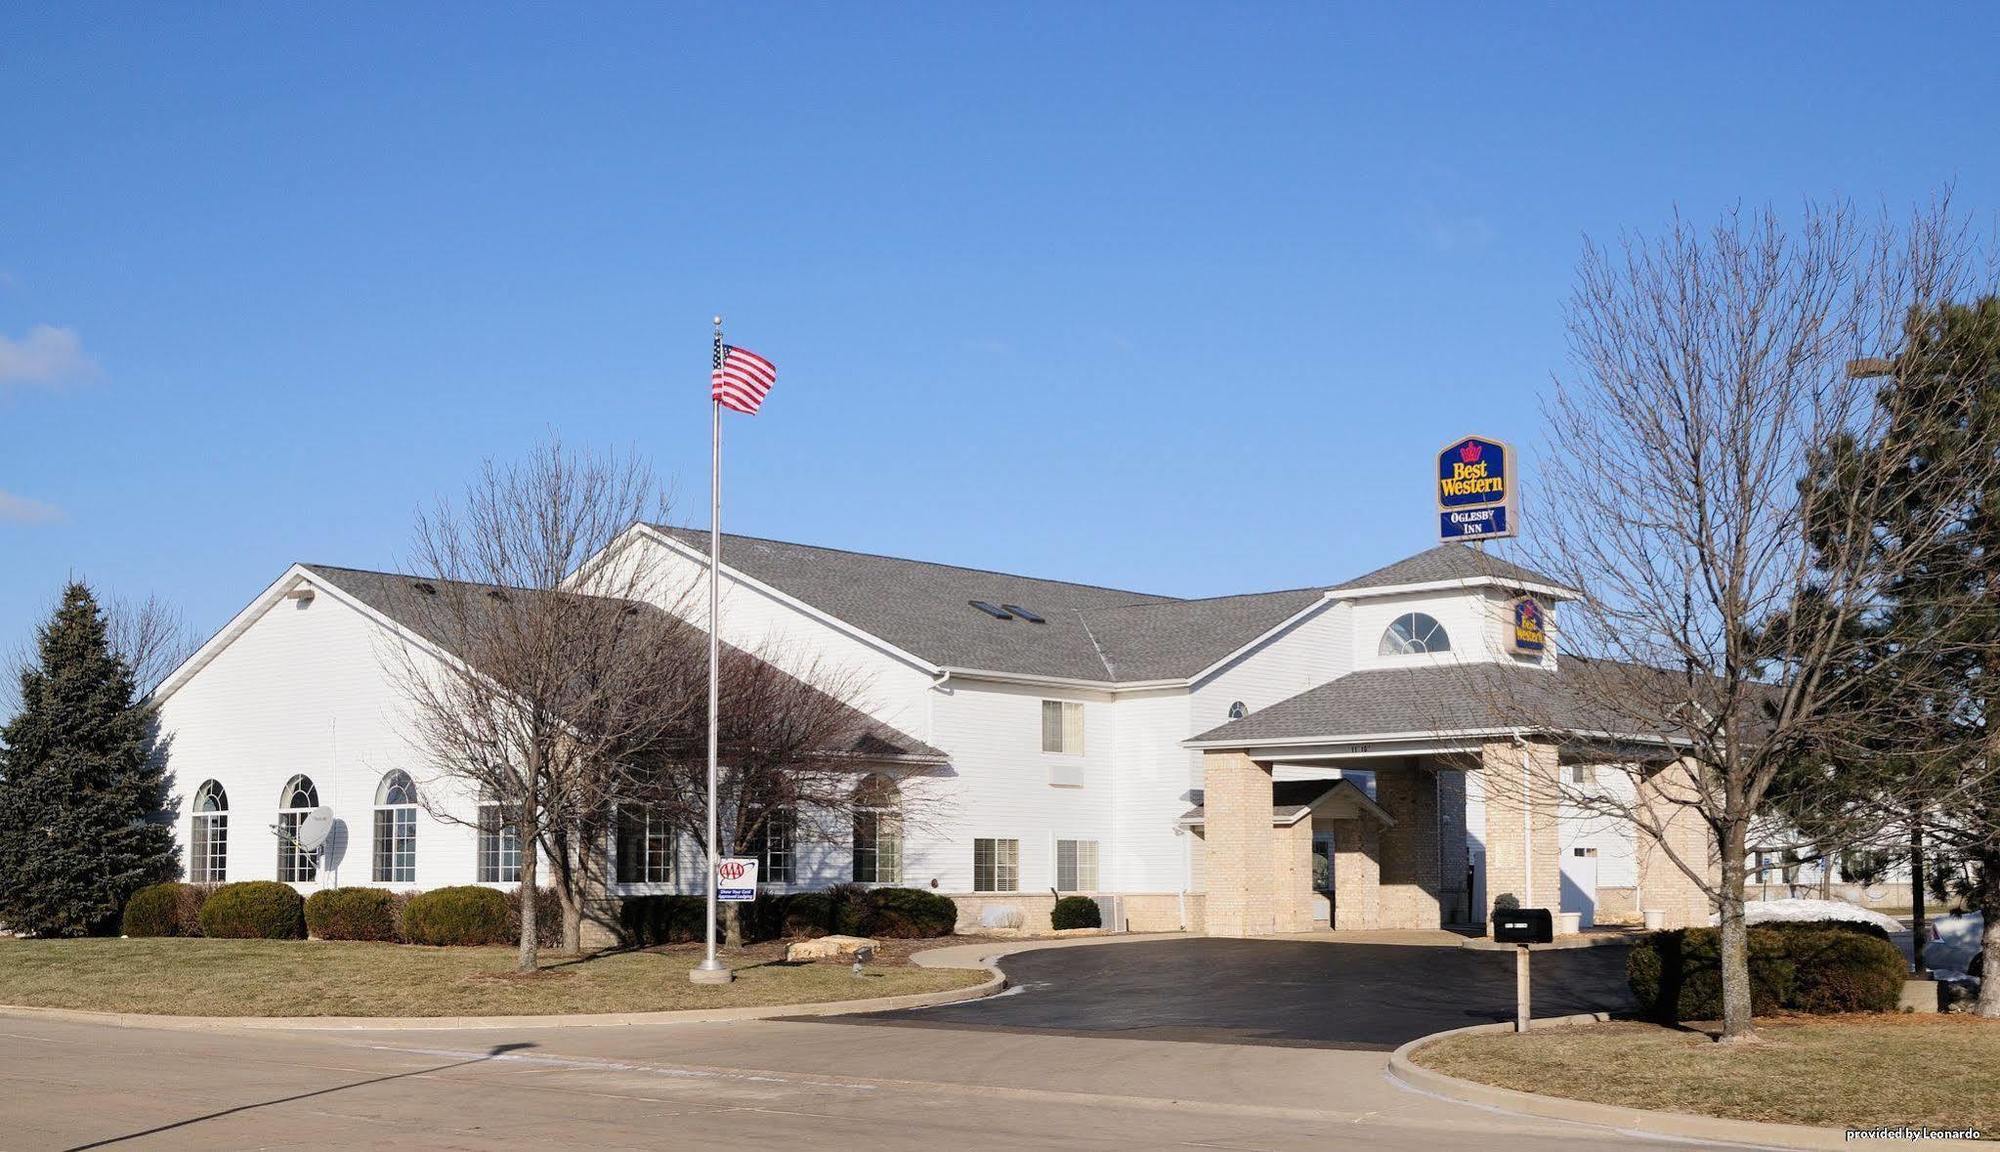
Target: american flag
740 378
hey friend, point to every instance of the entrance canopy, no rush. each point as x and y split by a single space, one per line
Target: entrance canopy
1295 800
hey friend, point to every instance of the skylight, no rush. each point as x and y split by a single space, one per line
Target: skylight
992 610
1024 614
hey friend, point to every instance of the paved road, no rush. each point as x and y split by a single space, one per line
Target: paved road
1370 997
750 1085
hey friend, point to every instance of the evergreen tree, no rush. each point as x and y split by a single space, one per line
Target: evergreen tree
1947 380
83 784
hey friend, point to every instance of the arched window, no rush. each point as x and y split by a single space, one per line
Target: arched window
1414 633
396 830
878 832
298 797
208 847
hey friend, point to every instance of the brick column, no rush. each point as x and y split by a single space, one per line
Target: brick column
1236 801
1357 874
1292 877
1523 854
1662 885
1409 889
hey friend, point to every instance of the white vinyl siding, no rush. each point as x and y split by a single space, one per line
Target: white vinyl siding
996 865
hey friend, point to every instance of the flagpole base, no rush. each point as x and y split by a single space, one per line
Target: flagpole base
703 974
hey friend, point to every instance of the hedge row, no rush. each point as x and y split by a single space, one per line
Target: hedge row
268 910
844 910
1819 967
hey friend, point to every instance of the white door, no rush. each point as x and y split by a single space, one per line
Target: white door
1579 883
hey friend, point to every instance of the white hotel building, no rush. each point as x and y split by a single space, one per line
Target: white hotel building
1265 762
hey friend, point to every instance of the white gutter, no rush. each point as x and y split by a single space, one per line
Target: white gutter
1112 686
1412 736
1550 590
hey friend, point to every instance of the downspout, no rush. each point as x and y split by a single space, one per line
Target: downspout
930 706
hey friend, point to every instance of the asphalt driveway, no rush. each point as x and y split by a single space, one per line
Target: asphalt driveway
1297 993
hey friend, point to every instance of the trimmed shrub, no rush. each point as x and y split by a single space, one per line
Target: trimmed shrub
806 914
254 910
465 914
548 916
354 914
1075 912
1845 971
156 910
649 920
850 910
1677 975
910 914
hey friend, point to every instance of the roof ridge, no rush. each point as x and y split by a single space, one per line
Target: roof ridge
1150 597
1197 600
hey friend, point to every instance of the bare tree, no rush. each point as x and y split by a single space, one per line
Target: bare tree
1695 491
798 759
526 696
152 636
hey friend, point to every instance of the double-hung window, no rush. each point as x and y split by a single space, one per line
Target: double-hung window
774 849
499 847
645 846
878 832
1076 865
1062 727
996 865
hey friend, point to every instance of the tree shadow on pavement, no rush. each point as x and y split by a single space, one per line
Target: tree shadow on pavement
496 1051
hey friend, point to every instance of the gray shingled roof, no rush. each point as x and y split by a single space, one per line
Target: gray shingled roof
1444 562
1441 698
400 597
1292 799
1092 633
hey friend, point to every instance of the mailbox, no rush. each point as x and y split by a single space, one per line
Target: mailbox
1524 926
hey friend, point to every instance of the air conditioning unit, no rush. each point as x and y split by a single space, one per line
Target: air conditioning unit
1111 910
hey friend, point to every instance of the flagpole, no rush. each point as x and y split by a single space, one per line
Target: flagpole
712 970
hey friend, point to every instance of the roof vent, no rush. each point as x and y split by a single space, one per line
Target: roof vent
1024 614
424 586
496 593
992 610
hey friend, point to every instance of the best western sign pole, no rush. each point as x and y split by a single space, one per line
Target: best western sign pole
1475 490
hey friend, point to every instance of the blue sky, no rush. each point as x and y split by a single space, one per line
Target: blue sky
1174 297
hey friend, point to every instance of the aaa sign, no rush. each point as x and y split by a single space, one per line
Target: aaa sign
736 879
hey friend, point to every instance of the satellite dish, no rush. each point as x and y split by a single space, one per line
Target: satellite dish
313 829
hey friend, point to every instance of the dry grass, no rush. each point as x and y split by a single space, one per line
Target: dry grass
1835 1071
332 978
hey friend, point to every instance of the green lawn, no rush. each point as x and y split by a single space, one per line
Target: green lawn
332 978
1834 1071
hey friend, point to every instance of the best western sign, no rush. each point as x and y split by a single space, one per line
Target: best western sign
1530 635
1475 490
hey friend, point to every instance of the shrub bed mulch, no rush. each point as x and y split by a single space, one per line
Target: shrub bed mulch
1857 1071
204 977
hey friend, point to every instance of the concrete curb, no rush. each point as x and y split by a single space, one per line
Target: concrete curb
1680 1125
984 953
994 984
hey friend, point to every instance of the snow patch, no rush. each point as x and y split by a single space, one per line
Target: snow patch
1791 911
